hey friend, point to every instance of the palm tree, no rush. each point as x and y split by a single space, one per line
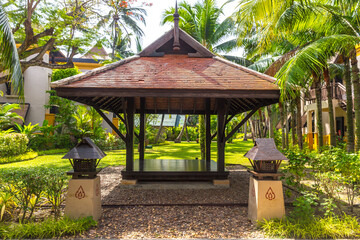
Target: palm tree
306 25
202 22
9 59
123 19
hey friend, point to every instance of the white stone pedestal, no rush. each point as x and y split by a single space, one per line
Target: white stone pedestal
84 198
266 199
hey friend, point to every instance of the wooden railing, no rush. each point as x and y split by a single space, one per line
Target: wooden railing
339 92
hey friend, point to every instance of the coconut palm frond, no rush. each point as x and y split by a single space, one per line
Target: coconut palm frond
312 58
9 58
263 64
226 46
239 60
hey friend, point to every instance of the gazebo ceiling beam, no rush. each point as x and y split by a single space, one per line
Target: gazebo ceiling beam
117 105
239 107
169 105
249 102
107 102
165 93
194 105
155 105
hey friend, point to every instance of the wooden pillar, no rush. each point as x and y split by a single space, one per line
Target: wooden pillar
130 110
142 135
208 135
221 135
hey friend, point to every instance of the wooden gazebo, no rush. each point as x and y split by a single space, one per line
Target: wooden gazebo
175 75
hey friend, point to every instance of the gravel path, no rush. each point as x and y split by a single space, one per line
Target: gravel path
121 219
174 222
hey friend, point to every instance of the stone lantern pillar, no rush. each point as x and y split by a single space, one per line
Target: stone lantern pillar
84 196
266 198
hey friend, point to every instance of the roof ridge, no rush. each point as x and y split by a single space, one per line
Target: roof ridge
248 70
95 71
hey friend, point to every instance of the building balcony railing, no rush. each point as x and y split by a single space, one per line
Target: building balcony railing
338 92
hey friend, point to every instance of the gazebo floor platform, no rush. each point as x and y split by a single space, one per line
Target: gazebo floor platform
174 170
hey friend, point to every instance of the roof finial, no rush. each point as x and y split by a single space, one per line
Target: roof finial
176 45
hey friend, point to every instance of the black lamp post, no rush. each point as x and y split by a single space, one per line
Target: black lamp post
84 159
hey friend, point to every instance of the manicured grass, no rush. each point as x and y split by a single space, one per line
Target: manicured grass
234 154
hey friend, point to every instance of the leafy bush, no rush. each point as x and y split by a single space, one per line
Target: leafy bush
110 142
48 228
172 133
28 186
43 143
7 116
19 158
13 144
316 228
331 172
55 188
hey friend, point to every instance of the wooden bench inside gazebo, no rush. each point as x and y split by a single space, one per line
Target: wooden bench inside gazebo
173 75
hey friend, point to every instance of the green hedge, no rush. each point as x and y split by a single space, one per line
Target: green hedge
13 144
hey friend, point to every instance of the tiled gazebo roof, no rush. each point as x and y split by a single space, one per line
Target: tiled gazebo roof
172 81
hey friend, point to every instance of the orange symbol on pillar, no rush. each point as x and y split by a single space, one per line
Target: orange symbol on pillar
270 195
80 193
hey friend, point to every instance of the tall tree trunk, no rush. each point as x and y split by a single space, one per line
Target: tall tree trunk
178 139
282 120
252 127
319 121
356 86
286 108
271 122
160 128
293 122
261 123
349 107
299 123
187 134
245 129
330 105
202 135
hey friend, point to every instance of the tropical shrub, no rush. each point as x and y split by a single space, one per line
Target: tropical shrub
59 74
331 173
29 130
7 117
173 132
317 228
13 144
56 184
48 228
30 187
109 142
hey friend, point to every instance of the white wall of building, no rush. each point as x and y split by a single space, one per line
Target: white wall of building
36 83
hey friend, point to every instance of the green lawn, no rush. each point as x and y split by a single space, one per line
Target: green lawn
234 154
